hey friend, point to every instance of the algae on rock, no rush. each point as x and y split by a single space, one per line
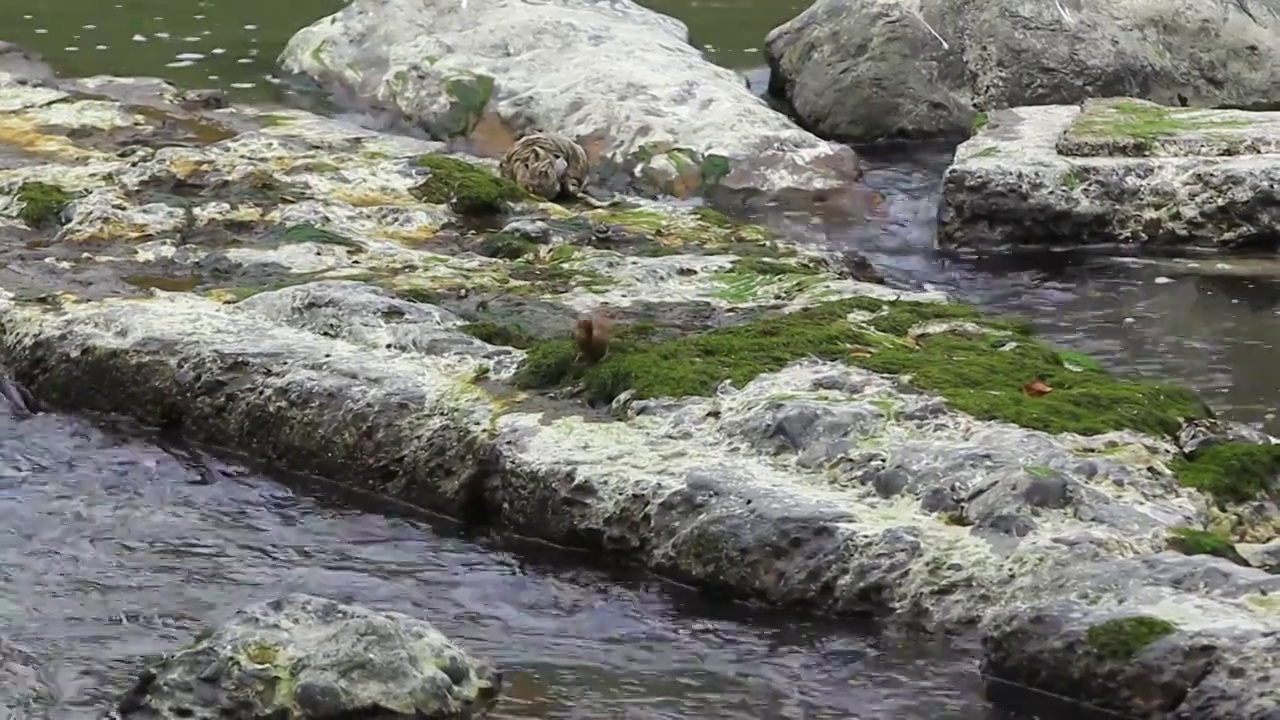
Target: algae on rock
1123 638
466 188
294 657
42 203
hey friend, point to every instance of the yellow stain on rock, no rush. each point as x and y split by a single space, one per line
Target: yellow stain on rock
21 133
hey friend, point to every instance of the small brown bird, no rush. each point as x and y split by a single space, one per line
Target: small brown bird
591 335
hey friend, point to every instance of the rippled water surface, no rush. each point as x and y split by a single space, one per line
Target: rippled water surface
1212 324
113 550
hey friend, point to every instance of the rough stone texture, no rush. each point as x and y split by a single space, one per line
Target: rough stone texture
307 657
874 69
620 79
272 285
20 687
1120 174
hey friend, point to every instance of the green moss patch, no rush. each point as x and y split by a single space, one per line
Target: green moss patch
1144 120
1232 471
979 373
510 335
42 204
470 96
505 246
1122 639
466 188
1193 541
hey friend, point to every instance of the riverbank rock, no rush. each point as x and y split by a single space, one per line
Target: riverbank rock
618 78
1119 173
866 70
364 307
307 657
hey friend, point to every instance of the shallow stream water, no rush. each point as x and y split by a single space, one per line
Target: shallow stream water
112 550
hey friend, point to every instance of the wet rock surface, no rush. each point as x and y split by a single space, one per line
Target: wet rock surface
865 71
761 423
618 78
310 657
1119 173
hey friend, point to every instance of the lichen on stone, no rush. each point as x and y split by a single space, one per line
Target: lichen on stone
1122 639
42 203
466 188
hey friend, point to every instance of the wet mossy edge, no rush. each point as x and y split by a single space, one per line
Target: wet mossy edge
978 363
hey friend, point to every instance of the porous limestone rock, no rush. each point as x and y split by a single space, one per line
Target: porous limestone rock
304 657
307 307
868 70
618 78
1122 174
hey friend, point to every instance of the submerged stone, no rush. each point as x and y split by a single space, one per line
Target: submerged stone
307 657
1121 173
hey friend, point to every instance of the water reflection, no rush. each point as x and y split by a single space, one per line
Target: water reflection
1201 323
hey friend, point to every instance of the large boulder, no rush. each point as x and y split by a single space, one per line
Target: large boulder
620 79
307 657
866 70
1119 174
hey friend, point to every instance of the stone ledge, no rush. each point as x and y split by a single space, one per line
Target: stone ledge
1051 177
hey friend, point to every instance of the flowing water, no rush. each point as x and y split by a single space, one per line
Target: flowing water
114 550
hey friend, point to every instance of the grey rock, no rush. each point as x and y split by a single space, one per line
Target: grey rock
1071 176
310 657
20 686
1199 435
867 70
23 66
618 78
1264 556
370 316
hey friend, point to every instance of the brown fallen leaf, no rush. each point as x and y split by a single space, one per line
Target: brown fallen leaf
1036 388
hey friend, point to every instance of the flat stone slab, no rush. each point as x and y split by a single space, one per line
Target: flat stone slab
761 422
1136 128
1121 174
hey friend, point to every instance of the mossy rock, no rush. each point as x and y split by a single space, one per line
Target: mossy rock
1122 639
466 188
1193 541
505 246
42 204
306 232
510 335
1232 472
980 373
